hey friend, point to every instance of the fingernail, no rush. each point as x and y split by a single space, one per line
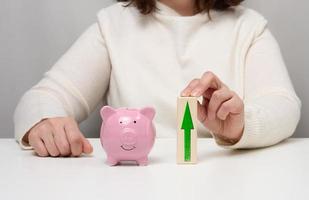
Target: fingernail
194 93
183 94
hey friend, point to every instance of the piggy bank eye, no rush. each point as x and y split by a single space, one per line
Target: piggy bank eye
134 121
120 122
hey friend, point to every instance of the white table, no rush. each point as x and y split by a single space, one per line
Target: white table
279 172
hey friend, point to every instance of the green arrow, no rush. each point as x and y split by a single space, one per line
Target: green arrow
187 126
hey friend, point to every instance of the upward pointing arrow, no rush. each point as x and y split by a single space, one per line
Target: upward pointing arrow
187 126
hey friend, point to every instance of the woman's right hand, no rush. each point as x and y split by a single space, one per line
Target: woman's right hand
58 137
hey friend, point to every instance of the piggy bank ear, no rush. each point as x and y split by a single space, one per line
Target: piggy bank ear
107 111
148 112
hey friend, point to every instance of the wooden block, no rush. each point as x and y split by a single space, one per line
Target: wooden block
187 130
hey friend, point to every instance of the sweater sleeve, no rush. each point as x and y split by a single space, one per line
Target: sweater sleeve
73 87
272 109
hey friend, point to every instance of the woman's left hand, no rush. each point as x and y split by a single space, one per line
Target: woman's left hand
222 110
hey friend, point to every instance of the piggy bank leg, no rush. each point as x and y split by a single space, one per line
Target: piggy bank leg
111 161
143 161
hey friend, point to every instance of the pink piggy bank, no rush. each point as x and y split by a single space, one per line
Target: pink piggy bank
127 134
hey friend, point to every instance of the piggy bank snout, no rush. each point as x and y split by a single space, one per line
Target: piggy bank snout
128 136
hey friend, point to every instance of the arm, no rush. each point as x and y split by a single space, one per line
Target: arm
71 88
269 111
272 109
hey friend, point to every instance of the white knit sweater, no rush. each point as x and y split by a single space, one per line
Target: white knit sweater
135 60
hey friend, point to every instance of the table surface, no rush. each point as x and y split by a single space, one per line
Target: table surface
278 172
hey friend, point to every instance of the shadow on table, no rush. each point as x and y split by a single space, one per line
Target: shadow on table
153 160
63 157
222 152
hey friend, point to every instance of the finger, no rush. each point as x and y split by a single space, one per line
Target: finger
232 106
189 88
75 138
37 144
49 142
202 110
208 93
208 80
217 98
87 147
61 141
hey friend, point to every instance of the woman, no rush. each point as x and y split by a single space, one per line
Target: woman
149 52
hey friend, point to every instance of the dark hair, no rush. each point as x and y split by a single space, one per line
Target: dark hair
148 6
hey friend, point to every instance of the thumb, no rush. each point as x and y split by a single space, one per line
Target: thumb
87 147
